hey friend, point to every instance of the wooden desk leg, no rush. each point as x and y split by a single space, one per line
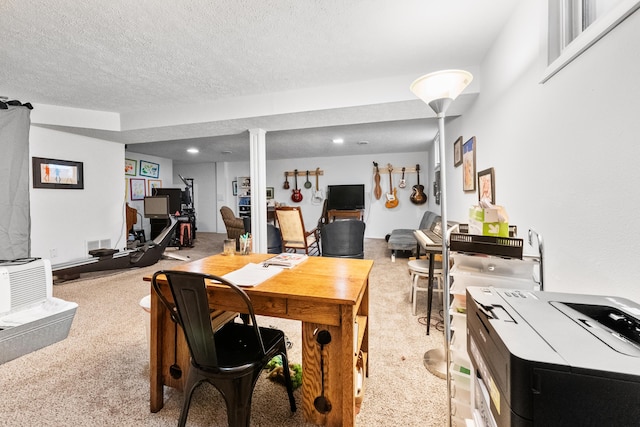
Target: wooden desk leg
338 383
155 356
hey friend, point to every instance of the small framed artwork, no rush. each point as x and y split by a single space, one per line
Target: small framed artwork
60 174
469 165
234 187
457 152
136 188
149 169
153 183
487 185
269 193
130 167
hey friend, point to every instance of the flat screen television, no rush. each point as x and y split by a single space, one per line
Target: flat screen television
156 207
345 197
175 198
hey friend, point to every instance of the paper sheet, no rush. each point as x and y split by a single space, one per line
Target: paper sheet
252 274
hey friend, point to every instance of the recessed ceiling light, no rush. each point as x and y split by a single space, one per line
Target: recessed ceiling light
193 150
362 142
227 152
338 140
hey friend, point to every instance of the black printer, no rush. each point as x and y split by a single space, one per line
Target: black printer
553 359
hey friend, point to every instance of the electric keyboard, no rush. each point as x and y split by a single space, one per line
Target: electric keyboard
428 237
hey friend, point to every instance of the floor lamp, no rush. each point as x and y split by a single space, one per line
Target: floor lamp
438 90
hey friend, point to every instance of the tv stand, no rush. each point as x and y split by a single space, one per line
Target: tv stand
345 214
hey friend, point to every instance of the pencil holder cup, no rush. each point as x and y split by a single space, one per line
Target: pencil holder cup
245 246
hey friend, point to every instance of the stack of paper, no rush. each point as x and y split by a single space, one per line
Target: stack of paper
251 274
286 260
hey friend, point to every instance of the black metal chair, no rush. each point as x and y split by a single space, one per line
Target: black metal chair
343 239
230 359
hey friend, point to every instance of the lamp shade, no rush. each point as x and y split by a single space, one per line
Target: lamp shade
446 84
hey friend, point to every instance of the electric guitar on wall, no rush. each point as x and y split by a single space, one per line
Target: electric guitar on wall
403 182
296 195
392 198
318 196
417 196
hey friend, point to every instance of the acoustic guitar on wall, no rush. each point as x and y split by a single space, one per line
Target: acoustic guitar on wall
417 195
392 195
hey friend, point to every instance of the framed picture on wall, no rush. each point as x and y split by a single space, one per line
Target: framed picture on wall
234 187
60 174
153 183
269 193
487 185
149 169
136 188
457 152
130 167
469 165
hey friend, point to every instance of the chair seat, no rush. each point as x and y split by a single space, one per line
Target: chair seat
238 348
419 268
422 265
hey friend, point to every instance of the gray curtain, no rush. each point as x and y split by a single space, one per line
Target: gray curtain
15 219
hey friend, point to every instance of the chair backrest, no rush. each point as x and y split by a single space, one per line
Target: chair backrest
427 220
274 240
190 308
291 223
343 239
227 214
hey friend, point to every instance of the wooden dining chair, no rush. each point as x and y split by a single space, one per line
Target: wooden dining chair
294 236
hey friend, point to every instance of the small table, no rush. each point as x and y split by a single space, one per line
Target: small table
324 293
344 214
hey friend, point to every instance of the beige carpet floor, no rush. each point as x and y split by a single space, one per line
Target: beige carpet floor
98 375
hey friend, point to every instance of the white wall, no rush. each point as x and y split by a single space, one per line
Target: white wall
62 221
340 170
564 152
204 193
165 175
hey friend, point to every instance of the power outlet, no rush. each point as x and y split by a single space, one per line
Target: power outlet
53 253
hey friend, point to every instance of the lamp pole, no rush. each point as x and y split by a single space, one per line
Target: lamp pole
438 90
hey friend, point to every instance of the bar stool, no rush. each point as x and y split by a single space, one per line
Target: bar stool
419 268
185 234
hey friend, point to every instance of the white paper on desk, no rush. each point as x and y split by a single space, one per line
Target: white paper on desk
251 274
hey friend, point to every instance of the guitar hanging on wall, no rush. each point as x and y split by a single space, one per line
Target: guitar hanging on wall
377 192
392 198
417 196
403 182
318 196
296 195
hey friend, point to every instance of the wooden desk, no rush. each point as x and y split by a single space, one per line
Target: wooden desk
324 293
348 214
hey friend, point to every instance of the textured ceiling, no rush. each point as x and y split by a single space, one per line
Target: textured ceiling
130 56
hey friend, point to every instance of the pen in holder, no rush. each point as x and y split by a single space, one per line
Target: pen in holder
245 244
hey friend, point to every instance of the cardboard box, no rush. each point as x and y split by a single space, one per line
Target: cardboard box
477 213
497 229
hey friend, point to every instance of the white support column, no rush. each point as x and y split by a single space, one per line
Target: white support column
258 167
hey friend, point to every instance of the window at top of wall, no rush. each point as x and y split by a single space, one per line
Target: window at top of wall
575 25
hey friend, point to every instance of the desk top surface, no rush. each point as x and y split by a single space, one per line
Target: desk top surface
333 280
